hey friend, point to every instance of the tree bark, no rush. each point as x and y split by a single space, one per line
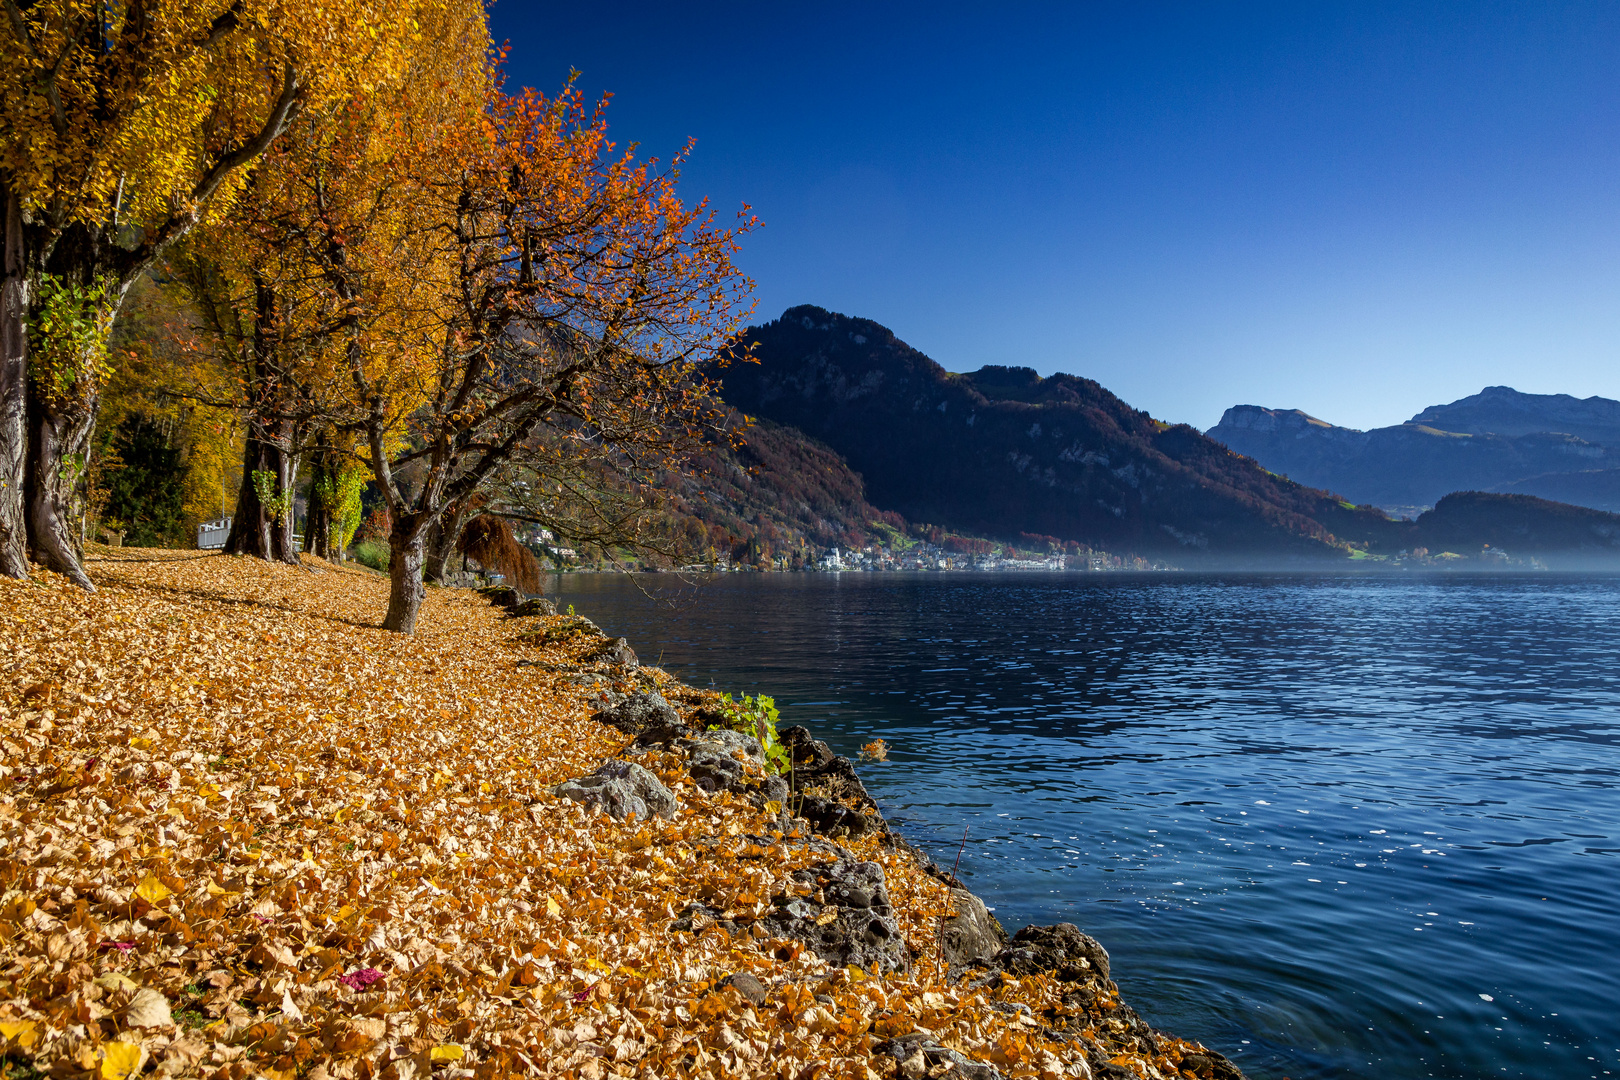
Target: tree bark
441 542
405 591
13 387
58 452
322 489
265 532
257 529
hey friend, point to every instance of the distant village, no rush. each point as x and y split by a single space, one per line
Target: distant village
925 556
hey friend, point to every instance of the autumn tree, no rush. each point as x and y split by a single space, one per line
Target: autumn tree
123 125
331 191
567 298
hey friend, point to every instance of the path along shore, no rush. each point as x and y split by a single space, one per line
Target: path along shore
245 832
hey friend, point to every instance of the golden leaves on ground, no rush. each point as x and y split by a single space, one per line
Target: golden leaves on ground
249 833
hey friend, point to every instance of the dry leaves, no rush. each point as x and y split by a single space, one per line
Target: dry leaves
245 832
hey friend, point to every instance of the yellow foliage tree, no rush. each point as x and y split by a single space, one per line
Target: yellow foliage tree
334 190
121 126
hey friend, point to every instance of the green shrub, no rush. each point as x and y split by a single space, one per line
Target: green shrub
757 716
372 553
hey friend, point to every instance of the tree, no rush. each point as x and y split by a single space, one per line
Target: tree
124 124
326 190
559 295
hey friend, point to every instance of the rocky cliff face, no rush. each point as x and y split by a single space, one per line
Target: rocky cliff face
1412 464
1002 450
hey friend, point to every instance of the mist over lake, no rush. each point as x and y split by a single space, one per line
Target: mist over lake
1337 825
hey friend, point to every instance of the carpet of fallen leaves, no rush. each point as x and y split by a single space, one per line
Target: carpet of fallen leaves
246 832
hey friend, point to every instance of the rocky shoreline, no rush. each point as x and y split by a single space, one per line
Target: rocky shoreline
839 907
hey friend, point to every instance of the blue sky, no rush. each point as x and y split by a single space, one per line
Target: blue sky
1354 209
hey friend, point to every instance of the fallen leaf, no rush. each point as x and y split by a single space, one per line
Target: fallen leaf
152 890
148 1008
120 1060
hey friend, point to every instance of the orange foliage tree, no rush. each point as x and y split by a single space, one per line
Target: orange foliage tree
121 126
543 284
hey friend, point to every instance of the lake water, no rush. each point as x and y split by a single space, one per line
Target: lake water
1334 826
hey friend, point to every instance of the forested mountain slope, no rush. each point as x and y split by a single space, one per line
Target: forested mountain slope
1002 450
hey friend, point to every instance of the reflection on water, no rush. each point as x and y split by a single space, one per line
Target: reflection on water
1331 825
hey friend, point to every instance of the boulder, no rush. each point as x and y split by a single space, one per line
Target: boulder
712 759
827 791
534 605
850 922
1061 949
503 596
972 934
635 713
615 651
917 1056
621 788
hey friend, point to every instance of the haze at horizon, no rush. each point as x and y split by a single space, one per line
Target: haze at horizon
1355 210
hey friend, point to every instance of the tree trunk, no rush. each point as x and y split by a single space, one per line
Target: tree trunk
322 490
441 543
405 590
13 388
268 468
58 451
260 530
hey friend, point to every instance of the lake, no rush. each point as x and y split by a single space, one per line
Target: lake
1331 825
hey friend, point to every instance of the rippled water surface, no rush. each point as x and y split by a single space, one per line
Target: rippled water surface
1333 826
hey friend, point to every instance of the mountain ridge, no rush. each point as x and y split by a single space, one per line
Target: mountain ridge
1416 463
1003 450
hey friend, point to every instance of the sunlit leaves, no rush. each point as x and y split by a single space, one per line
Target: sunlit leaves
284 845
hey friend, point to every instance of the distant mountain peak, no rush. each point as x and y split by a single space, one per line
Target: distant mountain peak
1496 440
1502 410
1259 418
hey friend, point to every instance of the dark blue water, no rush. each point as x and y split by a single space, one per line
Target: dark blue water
1335 826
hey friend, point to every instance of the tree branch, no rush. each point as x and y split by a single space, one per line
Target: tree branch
181 223
20 28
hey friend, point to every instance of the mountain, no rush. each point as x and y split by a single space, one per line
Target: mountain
781 495
1563 536
1415 463
1598 489
1502 410
1002 451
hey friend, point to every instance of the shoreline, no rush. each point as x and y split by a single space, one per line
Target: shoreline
974 945
244 831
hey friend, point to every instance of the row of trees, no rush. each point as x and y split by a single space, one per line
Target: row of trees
402 274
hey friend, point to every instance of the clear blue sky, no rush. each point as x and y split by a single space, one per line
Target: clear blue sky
1355 209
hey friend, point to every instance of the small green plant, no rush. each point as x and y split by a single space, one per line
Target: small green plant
264 485
67 337
757 716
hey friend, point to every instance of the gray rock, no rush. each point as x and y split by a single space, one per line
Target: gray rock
615 651
748 986
1061 949
534 605
621 788
635 713
829 793
724 741
918 1055
855 925
972 934
713 762
502 596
